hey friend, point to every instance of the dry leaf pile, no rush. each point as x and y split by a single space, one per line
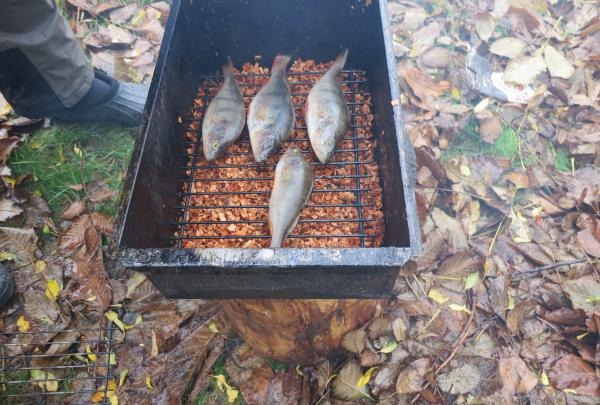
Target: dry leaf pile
249 184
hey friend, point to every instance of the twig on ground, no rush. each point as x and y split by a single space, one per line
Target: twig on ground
520 275
456 348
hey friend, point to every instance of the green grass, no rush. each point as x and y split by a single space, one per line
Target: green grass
65 155
468 143
211 394
277 365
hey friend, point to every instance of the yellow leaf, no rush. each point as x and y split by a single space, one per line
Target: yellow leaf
455 93
389 347
584 334
97 397
23 324
154 347
213 328
123 376
91 355
45 380
437 296
91 298
487 266
6 256
232 394
365 378
299 370
53 288
511 302
40 266
112 397
112 359
138 320
221 383
114 318
459 308
471 280
544 378
482 105
465 170
570 391
5 108
112 385
149 382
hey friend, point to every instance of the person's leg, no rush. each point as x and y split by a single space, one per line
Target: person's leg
44 72
37 29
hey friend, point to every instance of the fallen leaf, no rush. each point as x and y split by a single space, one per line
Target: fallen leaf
123 14
516 376
451 229
354 341
459 308
424 37
490 129
20 242
484 25
8 210
345 385
519 229
23 324
475 375
584 293
389 347
103 223
516 317
558 65
95 7
74 236
509 47
570 372
98 191
411 379
589 243
524 70
6 147
471 280
75 209
422 85
436 57
365 378
53 289
436 296
44 379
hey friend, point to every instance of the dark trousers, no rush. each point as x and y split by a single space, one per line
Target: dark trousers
40 56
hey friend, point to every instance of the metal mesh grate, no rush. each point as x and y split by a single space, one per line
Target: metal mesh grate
225 203
56 367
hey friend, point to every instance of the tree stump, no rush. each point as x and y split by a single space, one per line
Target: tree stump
297 331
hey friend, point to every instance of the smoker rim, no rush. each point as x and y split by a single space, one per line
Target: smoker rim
160 257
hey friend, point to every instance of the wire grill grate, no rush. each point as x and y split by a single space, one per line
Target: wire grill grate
55 367
225 203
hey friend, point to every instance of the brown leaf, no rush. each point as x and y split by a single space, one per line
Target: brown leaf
584 293
19 241
123 14
422 85
589 243
572 372
379 326
153 30
516 376
516 316
451 229
475 375
490 129
354 341
426 157
345 384
98 191
8 210
436 57
74 210
460 264
411 378
74 236
6 146
93 241
103 223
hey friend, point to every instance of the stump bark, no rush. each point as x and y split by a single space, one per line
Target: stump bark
297 331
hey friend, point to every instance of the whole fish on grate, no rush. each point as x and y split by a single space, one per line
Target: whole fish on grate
224 119
293 184
271 114
326 111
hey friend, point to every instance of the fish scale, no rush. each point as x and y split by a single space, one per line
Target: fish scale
271 115
224 119
327 118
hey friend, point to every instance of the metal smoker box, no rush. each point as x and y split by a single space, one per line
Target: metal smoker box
199 35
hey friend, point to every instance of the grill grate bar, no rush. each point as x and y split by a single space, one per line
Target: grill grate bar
293 236
240 204
41 356
264 221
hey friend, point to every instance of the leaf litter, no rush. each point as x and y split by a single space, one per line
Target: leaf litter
502 307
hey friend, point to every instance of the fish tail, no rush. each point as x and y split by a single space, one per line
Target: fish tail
228 68
281 62
340 62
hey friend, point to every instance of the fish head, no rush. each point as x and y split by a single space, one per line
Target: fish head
324 148
212 149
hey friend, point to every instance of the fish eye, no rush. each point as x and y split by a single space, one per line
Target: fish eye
215 145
